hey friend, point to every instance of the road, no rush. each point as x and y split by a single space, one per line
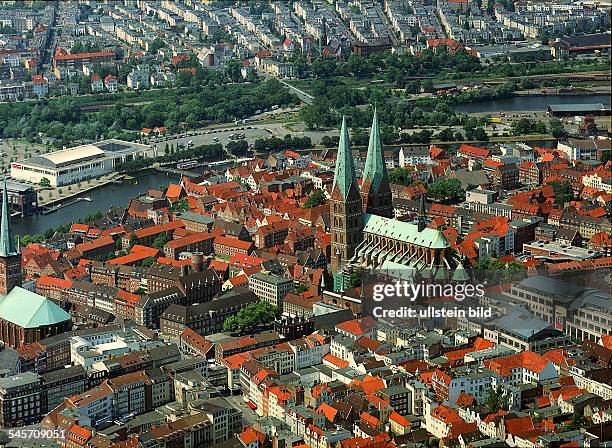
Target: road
383 16
303 96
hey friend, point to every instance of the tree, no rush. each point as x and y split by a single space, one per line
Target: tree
578 421
493 270
133 240
557 129
539 127
488 264
497 400
515 271
359 137
45 183
160 241
563 191
300 289
148 262
316 198
400 176
252 316
446 190
232 70
427 85
28 239
326 141
156 45
480 135
237 148
180 205
446 135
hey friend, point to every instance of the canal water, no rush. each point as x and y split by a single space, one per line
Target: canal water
101 200
529 103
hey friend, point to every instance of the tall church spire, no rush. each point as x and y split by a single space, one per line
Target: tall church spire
10 259
375 168
7 246
344 174
375 188
345 206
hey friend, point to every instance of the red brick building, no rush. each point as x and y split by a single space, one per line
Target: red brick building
229 246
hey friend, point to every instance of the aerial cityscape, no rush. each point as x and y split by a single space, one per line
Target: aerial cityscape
305 223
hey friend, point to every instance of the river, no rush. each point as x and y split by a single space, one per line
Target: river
529 103
101 200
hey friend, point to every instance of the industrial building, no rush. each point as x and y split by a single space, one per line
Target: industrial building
579 109
22 198
72 165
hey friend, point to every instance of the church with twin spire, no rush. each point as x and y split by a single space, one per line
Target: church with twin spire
364 233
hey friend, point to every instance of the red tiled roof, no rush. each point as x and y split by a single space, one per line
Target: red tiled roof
77 227
137 253
464 400
230 241
153 230
95 244
173 262
53 281
340 363
473 151
191 239
328 411
61 54
527 360
243 260
446 415
174 191
358 326
399 419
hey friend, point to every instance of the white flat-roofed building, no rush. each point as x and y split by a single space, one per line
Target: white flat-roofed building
72 165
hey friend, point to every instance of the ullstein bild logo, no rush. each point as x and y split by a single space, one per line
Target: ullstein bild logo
405 299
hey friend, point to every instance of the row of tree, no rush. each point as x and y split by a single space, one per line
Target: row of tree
70 119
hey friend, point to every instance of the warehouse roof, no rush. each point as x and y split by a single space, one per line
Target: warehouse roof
67 156
576 107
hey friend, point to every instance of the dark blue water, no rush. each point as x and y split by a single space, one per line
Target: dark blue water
101 200
529 103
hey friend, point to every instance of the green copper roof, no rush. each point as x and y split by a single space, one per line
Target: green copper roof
30 310
404 231
7 247
344 174
375 167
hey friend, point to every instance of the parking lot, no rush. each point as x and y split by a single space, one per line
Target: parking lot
211 136
12 150
251 131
